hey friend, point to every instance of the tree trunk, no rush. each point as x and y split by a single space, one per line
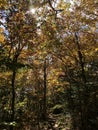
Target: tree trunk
13 98
13 91
45 92
85 87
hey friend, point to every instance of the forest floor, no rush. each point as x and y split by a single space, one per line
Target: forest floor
56 122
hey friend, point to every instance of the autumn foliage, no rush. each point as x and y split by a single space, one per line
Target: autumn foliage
48 65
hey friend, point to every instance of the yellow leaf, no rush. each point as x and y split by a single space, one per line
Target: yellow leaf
2 38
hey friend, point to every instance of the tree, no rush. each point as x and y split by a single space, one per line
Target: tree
48 60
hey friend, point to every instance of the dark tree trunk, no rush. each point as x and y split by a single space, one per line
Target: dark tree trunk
45 92
13 98
14 65
85 87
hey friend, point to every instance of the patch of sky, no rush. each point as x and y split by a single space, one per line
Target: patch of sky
3 17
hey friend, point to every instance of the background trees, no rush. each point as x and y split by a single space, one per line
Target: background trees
48 64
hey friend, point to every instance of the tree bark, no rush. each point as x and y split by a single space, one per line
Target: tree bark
85 87
13 90
45 92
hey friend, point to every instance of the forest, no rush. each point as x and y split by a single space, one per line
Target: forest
48 65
